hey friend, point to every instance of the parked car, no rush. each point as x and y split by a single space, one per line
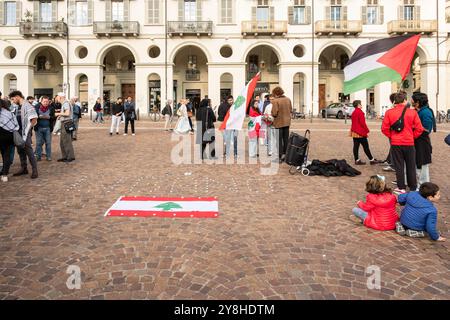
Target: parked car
338 110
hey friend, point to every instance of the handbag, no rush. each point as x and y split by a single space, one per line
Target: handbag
399 125
69 126
18 140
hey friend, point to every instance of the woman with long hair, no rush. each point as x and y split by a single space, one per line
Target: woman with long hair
8 124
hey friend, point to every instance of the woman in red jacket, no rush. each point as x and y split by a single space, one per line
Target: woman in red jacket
378 212
359 132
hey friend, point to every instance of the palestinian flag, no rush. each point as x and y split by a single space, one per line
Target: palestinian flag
380 61
164 207
236 115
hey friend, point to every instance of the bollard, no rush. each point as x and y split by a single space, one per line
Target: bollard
90 115
345 117
311 116
138 115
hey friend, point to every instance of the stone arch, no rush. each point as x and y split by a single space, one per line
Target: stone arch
104 51
347 48
7 82
180 47
275 49
34 50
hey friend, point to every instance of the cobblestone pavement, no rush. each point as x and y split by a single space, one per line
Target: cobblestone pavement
278 237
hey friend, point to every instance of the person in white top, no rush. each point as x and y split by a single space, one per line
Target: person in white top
268 127
183 125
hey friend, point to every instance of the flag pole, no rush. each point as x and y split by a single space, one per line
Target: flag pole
312 57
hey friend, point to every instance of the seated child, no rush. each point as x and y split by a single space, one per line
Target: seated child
378 212
419 214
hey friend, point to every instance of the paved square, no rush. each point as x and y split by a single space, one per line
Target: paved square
277 237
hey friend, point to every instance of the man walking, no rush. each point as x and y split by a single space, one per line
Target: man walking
43 131
117 111
168 114
76 116
130 115
65 116
281 112
29 119
227 134
402 139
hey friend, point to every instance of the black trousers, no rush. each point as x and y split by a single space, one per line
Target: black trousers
365 143
405 157
283 139
129 120
6 156
190 123
212 149
27 151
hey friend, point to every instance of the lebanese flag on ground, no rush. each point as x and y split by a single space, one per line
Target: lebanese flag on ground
164 207
380 61
236 115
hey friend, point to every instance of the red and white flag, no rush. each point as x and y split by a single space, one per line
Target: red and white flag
164 207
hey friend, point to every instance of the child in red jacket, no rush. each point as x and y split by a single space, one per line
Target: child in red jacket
378 212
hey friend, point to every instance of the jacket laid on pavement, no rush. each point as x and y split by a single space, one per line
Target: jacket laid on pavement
419 213
359 124
281 112
412 130
380 208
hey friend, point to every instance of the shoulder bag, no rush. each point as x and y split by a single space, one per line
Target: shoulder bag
18 140
399 125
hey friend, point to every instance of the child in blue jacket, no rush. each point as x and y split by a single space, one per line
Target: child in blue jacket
420 214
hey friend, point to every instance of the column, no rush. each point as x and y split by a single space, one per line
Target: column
25 80
214 73
360 95
286 80
382 93
142 90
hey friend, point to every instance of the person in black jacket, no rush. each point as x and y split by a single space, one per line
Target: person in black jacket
221 114
116 111
205 127
130 115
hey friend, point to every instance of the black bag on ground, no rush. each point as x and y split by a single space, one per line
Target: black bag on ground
296 149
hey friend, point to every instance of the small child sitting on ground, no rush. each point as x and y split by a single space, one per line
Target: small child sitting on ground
419 214
378 212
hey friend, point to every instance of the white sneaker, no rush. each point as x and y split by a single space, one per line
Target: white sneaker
125 134
59 133
4 178
133 134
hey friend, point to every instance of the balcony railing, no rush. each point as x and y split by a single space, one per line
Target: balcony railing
114 28
270 27
51 29
330 27
412 26
190 28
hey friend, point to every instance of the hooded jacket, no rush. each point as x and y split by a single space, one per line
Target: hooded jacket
419 213
380 208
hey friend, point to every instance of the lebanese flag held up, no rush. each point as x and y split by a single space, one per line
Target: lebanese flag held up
380 61
164 207
236 115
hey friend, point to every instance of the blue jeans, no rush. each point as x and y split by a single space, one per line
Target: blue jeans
99 117
360 213
228 134
43 135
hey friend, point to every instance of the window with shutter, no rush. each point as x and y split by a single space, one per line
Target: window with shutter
153 11
54 6
199 11
90 11
9 14
126 10
108 10
226 11
117 10
18 11
2 14
81 13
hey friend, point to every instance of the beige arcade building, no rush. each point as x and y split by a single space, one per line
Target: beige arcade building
155 50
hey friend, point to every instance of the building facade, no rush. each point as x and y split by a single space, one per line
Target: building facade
155 50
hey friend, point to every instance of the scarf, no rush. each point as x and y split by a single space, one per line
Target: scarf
43 109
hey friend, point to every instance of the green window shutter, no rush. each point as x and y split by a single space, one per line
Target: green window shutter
2 13
72 13
126 10
381 15
55 10
199 10
291 15
253 13
108 10
364 14
18 11
401 10
308 15
147 11
417 13
345 13
180 10
90 11
328 13
272 14
36 17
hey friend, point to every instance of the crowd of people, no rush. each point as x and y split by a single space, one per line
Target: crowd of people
410 154
20 117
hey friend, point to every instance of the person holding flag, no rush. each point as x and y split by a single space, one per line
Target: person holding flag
235 117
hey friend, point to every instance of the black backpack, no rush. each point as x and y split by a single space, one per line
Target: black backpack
399 125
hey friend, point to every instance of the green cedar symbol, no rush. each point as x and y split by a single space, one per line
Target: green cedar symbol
251 124
239 102
168 206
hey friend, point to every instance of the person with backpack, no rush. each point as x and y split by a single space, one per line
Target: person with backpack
402 126
423 143
98 109
76 115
